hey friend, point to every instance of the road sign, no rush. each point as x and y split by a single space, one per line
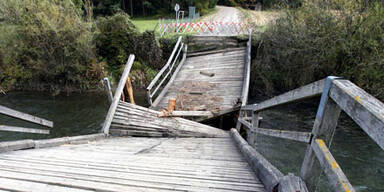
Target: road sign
177 7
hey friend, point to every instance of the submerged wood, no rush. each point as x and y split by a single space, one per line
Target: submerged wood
26 117
23 130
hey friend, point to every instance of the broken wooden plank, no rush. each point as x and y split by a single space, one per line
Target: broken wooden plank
26 117
23 130
118 92
16 145
187 114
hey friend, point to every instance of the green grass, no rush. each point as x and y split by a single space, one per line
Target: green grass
144 24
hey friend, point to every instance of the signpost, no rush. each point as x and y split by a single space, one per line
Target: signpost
177 8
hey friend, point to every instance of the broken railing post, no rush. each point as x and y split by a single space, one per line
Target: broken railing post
107 86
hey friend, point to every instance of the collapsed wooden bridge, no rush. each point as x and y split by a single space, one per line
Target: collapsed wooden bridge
169 153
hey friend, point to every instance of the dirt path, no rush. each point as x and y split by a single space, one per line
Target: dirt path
224 14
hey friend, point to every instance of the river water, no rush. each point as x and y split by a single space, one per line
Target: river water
359 157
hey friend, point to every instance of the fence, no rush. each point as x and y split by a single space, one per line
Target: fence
203 28
336 95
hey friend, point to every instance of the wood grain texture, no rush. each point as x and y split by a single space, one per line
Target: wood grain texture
363 108
131 164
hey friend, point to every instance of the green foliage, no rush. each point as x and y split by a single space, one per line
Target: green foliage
118 37
342 38
46 45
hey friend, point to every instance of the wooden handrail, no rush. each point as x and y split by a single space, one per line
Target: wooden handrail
247 72
168 66
150 86
336 95
166 87
116 98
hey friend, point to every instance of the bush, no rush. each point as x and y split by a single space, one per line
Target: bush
118 37
341 38
46 45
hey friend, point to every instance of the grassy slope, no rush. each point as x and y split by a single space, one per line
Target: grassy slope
144 24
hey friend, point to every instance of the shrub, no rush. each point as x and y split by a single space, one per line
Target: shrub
317 40
46 45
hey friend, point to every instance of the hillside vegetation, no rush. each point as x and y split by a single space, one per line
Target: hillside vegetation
58 46
320 38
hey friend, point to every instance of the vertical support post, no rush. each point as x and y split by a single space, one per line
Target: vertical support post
107 86
238 124
149 97
255 125
128 86
324 127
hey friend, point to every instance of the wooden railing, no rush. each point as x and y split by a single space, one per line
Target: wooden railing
167 73
119 95
25 117
336 95
247 72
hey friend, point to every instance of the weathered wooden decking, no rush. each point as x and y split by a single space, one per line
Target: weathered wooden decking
211 82
131 164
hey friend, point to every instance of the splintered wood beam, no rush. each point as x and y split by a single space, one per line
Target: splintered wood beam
291 135
246 123
26 117
363 108
128 86
187 114
23 130
336 176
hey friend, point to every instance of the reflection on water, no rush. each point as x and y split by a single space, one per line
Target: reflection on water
361 159
77 114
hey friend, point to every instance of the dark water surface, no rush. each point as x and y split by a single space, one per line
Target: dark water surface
358 155
76 114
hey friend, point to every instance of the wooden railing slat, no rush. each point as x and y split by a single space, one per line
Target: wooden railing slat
116 98
291 135
26 117
363 108
165 66
173 77
307 91
336 177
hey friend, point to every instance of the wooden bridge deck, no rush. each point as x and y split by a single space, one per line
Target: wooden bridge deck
130 164
212 82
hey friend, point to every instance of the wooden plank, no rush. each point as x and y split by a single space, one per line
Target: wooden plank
336 177
128 87
108 89
247 72
26 117
195 54
291 135
23 130
170 82
244 122
324 127
363 108
116 98
265 171
68 140
150 86
16 145
307 91
26 186
189 114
